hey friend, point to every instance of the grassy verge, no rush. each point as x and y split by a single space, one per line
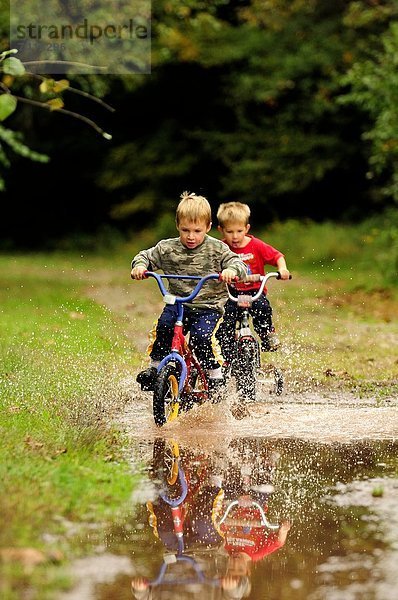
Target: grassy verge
341 306
60 355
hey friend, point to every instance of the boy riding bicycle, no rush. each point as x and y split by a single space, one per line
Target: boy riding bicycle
194 253
233 223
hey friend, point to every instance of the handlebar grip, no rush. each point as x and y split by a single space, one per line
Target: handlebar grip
279 276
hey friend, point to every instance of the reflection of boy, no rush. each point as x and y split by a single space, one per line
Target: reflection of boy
200 531
248 537
246 543
233 220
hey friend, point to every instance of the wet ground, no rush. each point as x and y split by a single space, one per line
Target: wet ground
297 500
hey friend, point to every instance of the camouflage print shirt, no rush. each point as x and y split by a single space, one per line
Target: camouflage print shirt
212 256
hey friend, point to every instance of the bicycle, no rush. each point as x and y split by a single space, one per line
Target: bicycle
246 360
181 381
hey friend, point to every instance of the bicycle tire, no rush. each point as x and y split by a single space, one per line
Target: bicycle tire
165 460
246 368
165 395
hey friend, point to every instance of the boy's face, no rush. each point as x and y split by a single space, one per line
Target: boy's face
192 233
234 234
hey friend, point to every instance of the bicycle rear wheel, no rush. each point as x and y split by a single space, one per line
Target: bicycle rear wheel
245 368
165 395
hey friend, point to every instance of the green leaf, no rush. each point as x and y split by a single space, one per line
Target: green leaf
8 104
13 66
7 52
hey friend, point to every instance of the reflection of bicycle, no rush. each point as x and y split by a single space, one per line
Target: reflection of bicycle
177 492
181 381
246 360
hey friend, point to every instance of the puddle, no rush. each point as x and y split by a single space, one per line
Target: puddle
252 517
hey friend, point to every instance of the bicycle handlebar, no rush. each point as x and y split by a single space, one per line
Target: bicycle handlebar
263 279
173 299
263 517
196 577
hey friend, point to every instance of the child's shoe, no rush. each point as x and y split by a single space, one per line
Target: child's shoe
147 379
271 343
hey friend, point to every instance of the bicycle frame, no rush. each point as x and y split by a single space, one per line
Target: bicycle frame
178 344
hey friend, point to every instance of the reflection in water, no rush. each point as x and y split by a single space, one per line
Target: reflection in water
255 518
210 513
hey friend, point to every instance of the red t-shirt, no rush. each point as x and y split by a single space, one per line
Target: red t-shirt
257 544
256 254
253 539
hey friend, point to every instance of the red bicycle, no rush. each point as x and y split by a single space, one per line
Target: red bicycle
181 382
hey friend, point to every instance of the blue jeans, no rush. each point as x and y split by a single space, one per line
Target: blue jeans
200 323
261 313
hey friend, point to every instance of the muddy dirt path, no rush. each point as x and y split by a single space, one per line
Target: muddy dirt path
321 401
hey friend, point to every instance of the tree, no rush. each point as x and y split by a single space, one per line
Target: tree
373 87
242 103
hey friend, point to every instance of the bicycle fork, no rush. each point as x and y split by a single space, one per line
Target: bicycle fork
244 333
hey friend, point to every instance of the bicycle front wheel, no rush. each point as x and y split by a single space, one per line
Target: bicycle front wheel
166 454
165 395
246 368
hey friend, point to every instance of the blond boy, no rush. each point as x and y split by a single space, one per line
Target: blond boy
233 223
192 253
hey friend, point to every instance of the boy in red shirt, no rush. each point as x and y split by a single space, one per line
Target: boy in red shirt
233 223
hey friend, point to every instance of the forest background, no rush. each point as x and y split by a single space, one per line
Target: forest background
290 106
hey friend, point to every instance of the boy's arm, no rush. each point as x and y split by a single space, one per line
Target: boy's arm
139 265
232 266
282 268
144 261
283 531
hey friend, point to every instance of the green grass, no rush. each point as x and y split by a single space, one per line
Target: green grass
342 302
362 256
60 355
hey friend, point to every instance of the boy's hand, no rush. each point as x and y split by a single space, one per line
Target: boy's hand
252 278
139 583
285 274
228 275
138 272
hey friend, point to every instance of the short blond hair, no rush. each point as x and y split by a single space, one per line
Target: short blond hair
233 212
193 208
